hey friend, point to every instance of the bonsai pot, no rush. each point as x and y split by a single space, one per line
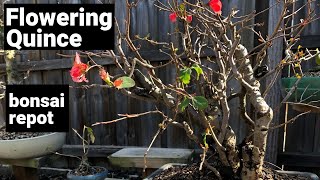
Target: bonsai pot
308 89
98 176
167 166
305 174
31 147
163 168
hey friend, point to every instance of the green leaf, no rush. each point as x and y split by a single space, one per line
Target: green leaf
185 75
198 69
182 7
182 106
124 82
90 133
318 57
199 102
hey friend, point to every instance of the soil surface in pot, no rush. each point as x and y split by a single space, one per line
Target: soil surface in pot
19 135
191 172
124 174
88 170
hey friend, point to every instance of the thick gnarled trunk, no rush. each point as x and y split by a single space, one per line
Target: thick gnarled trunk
253 154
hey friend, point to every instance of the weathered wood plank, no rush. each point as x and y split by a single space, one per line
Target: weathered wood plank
121 107
109 131
96 103
32 163
273 98
309 122
309 41
94 151
133 135
316 145
66 63
156 157
22 173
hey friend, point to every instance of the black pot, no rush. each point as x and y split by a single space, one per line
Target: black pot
305 174
167 166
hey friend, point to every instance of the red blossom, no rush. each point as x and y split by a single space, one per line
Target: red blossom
78 70
189 18
173 17
118 83
216 6
103 74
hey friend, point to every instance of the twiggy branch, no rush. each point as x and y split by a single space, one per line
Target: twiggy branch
127 116
214 170
290 121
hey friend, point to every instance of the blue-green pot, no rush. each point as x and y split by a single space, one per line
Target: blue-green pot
308 88
99 176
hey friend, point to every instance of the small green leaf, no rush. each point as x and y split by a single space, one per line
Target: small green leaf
318 57
198 69
185 75
182 106
182 7
124 82
90 133
199 102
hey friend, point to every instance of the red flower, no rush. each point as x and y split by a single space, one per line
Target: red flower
189 18
216 6
117 83
173 17
78 70
103 74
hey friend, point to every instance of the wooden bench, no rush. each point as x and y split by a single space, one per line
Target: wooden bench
156 157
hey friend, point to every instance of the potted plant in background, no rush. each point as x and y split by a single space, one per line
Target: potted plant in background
303 89
85 171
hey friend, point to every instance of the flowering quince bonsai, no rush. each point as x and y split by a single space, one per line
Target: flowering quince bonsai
209 57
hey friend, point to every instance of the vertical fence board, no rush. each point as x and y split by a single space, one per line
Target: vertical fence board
121 107
273 98
316 142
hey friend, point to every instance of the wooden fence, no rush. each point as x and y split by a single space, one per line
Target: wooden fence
302 142
88 106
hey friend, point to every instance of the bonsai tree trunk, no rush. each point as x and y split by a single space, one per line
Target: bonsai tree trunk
253 154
